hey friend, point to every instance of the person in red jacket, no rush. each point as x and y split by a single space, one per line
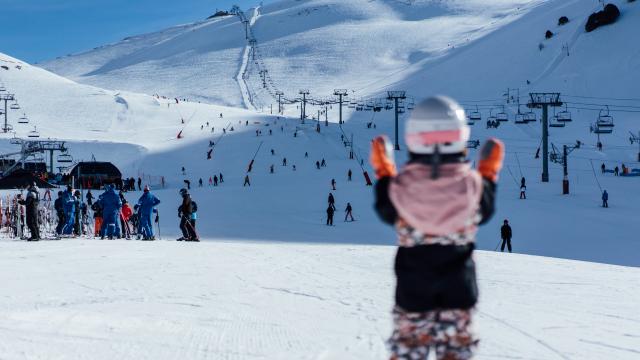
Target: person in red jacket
125 215
435 203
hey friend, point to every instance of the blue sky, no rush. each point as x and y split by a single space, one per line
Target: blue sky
38 30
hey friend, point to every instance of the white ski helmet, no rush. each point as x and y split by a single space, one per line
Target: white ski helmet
437 121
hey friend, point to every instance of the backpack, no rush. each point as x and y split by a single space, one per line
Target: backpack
194 206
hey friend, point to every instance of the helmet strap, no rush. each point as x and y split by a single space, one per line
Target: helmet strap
435 162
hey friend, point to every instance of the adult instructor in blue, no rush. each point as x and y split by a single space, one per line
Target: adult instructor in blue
146 204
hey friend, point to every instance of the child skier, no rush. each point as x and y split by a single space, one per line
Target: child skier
436 203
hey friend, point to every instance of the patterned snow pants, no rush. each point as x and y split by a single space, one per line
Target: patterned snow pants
448 332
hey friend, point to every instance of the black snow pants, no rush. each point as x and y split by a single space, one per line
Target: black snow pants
507 242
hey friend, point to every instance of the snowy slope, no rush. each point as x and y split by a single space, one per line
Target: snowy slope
229 300
289 206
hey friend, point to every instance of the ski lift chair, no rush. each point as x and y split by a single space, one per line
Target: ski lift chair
23 119
411 104
520 119
564 115
530 116
604 119
502 116
596 129
555 123
65 158
14 106
474 115
34 133
3 89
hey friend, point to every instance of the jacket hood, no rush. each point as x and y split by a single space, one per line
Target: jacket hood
439 206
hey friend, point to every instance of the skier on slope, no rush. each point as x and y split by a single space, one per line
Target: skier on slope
184 213
348 212
330 211
436 203
332 201
605 199
111 205
146 204
506 234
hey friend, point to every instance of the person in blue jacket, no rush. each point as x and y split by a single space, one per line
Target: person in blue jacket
605 199
69 208
111 205
146 204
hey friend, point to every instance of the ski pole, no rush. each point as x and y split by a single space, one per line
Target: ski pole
158 222
496 249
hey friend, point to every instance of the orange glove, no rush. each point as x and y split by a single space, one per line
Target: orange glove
491 157
382 157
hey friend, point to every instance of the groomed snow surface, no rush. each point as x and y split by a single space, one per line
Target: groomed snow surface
86 299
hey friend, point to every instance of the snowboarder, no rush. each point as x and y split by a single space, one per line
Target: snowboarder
184 213
605 199
348 212
246 181
111 204
330 211
349 173
434 203
505 233
333 184
146 205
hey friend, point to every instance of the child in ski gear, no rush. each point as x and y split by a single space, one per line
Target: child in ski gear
184 213
506 234
605 199
146 204
125 215
436 203
348 211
